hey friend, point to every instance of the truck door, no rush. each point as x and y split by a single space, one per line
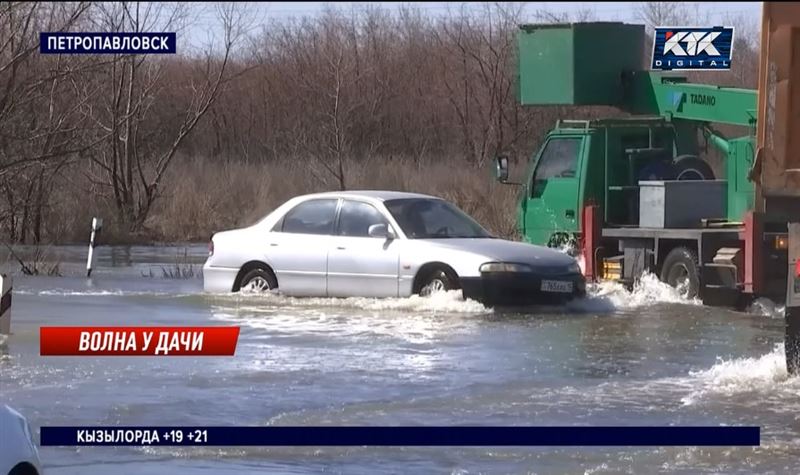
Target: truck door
553 190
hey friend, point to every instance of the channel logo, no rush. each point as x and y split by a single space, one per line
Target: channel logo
692 48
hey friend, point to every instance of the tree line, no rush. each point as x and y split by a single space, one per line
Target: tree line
175 147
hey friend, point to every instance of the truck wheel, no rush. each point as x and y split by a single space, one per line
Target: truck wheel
681 270
689 167
657 170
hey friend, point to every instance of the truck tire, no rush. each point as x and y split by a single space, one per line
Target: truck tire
689 167
681 270
657 170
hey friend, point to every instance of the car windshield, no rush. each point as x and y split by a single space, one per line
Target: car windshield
425 218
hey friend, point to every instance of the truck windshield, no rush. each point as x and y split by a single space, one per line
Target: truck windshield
425 218
559 159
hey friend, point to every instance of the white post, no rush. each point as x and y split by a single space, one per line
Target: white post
5 304
96 225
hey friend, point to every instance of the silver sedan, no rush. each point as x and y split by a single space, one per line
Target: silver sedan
384 244
18 452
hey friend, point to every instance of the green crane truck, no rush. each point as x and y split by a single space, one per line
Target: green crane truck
637 194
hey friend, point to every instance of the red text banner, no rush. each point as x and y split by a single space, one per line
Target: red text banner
138 341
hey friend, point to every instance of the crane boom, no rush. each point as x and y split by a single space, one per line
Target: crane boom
675 98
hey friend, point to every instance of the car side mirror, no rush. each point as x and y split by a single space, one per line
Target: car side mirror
501 168
380 231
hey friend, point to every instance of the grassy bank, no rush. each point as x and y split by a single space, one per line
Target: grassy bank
202 196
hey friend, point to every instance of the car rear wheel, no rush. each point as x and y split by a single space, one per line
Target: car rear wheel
258 281
438 280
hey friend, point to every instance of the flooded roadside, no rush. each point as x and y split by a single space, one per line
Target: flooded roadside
640 358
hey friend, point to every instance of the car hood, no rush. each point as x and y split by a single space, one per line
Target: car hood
507 251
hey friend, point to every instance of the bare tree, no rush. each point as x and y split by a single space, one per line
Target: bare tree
323 62
656 14
582 14
38 113
476 53
140 128
746 48
355 96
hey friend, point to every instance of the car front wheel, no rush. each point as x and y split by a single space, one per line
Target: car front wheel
437 280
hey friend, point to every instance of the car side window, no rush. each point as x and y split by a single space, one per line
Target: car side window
356 217
311 217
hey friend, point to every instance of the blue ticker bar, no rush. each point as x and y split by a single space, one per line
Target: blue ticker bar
403 436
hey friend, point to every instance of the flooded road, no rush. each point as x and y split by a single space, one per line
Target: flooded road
617 358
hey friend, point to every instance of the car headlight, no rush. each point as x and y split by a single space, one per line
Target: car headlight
574 268
505 267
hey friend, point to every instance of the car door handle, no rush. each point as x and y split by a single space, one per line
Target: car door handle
570 213
340 248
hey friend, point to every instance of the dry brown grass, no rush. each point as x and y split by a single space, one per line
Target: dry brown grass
203 197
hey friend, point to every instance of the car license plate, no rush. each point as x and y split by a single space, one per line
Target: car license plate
556 286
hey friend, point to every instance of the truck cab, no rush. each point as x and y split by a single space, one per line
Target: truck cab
585 162
553 190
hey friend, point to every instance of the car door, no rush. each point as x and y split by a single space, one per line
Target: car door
360 265
297 247
553 190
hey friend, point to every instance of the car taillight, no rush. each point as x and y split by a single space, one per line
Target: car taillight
211 246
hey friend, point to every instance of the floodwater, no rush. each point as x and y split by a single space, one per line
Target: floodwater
616 358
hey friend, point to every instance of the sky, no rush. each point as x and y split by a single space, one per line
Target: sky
620 11
603 11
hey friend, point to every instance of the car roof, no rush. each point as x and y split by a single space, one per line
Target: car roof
370 194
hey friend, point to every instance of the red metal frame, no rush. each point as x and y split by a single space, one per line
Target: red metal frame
753 252
590 220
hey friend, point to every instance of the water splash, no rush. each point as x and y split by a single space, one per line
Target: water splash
610 296
766 308
414 320
765 375
581 263
440 302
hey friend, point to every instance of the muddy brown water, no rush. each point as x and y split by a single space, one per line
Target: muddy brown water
616 358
